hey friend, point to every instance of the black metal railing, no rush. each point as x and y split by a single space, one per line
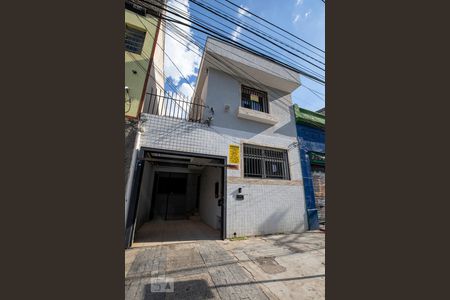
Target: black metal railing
263 162
175 106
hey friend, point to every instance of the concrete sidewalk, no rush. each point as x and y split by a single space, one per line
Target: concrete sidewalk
273 267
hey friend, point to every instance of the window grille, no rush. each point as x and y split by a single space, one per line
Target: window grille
143 11
254 99
134 40
135 8
262 162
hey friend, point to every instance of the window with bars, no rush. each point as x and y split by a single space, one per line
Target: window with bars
143 11
135 8
254 99
263 162
134 39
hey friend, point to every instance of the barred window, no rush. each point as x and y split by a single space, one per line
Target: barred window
263 162
134 39
135 8
254 99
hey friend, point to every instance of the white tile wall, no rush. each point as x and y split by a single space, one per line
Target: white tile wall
266 208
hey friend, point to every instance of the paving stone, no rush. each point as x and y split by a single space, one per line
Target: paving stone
275 267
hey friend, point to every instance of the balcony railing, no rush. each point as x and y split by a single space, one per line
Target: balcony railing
175 106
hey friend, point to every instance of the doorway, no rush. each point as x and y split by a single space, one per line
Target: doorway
181 197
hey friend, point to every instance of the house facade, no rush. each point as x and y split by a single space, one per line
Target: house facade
311 135
231 155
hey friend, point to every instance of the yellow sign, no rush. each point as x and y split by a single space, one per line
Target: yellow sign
254 98
233 154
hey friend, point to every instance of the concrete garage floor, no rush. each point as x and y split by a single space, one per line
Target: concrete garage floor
273 267
158 232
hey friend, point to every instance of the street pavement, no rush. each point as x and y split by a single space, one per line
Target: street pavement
290 266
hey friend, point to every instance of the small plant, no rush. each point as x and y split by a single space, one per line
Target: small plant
136 125
208 121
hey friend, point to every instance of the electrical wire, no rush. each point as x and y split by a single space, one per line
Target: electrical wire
156 82
225 49
250 30
165 53
281 57
199 54
265 26
208 8
240 78
244 25
247 11
314 93
221 134
219 36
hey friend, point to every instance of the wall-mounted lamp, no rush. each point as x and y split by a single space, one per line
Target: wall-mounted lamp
127 90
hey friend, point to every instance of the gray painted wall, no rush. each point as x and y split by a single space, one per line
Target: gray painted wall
145 195
223 89
209 210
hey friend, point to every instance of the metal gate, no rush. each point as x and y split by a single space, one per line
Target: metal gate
166 158
318 177
130 220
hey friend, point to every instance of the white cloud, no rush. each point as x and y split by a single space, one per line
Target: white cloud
242 12
236 33
307 14
186 90
302 17
299 2
184 57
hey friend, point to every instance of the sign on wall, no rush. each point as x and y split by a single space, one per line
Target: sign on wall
233 154
254 97
316 158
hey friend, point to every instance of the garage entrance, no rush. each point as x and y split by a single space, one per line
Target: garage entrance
180 198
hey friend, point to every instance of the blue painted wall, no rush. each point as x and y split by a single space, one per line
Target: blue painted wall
310 139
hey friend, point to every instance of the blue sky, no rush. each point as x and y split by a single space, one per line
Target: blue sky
303 18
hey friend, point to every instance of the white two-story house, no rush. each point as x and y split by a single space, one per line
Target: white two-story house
227 159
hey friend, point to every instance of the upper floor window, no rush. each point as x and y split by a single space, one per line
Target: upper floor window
254 99
263 162
143 11
135 8
134 39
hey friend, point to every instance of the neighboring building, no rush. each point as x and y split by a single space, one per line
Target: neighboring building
311 135
321 111
143 64
142 29
230 158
